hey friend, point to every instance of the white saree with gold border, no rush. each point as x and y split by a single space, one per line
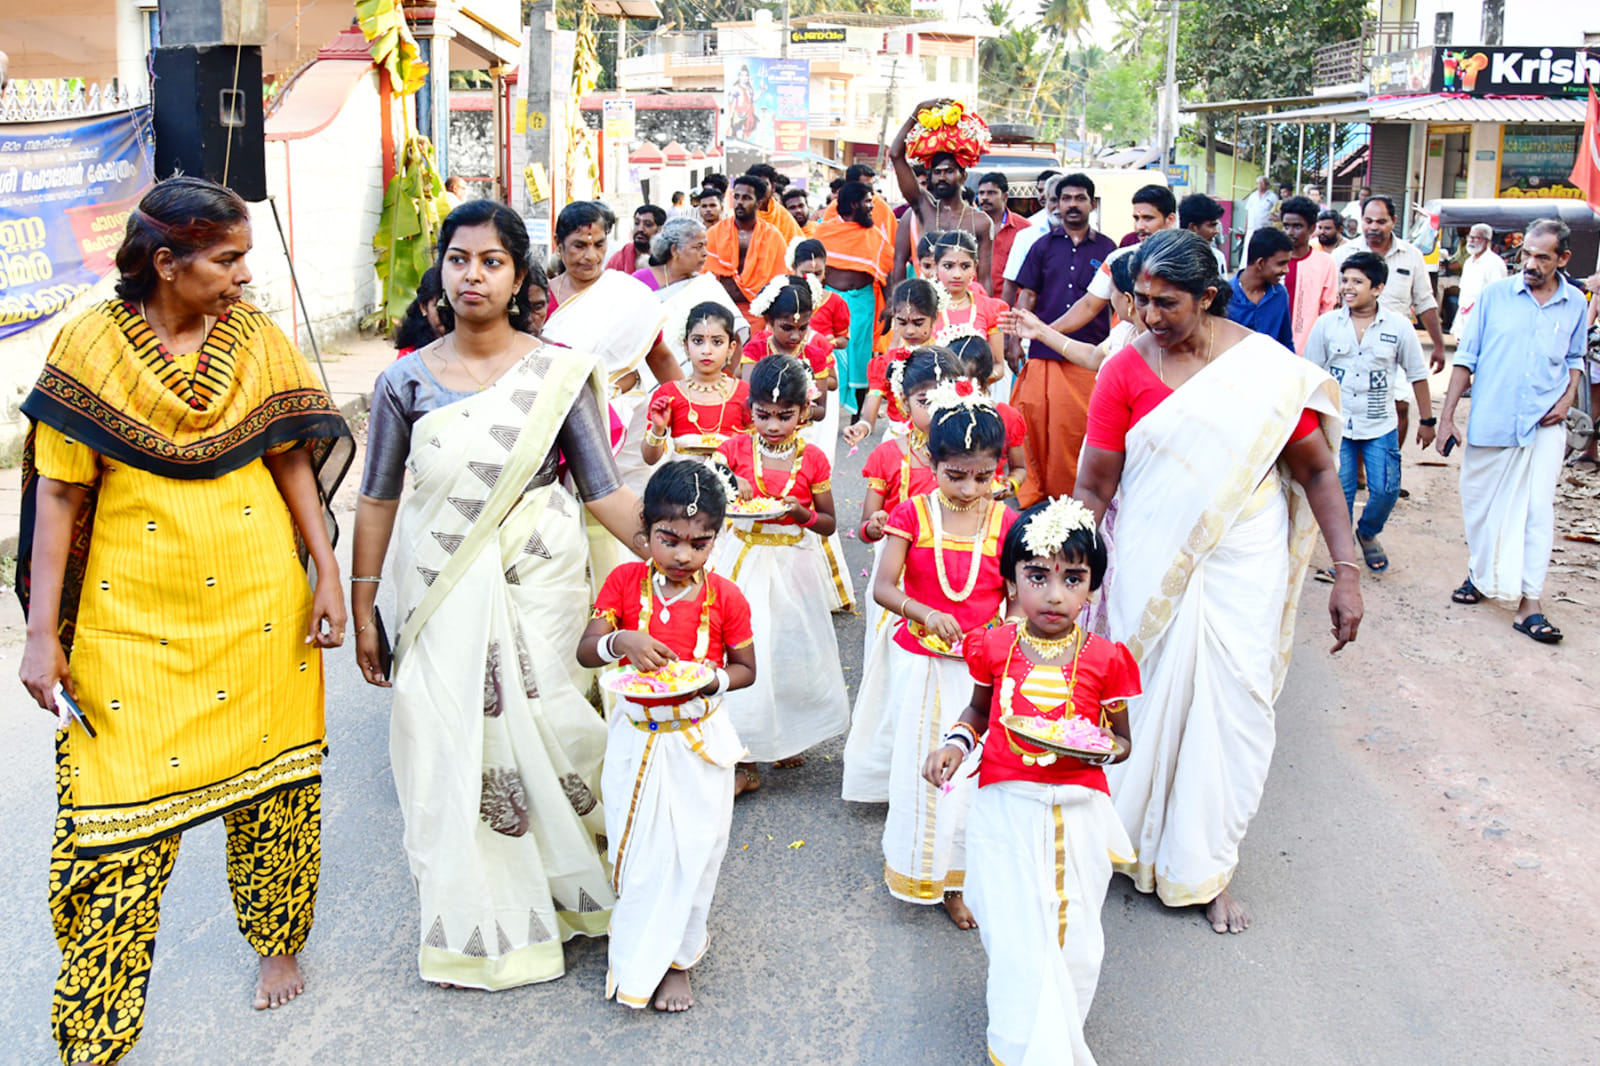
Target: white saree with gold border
618 318
496 753
1209 541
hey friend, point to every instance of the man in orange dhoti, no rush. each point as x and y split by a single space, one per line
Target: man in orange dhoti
744 252
860 243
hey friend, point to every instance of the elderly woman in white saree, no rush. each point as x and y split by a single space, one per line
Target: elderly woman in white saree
496 752
1210 457
616 317
677 276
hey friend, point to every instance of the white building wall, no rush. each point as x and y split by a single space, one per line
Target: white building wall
329 193
1559 23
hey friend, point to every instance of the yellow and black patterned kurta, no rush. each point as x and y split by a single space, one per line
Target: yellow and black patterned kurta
185 607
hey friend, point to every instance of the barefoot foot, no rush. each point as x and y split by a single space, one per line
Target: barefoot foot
959 912
746 778
790 763
279 982
672 994
1227 915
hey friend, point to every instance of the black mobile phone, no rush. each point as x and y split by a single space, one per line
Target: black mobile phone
74 711
1449 445
385 650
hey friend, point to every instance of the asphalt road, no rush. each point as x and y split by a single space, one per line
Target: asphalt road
1364 948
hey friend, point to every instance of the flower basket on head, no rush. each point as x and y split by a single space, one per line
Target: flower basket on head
951 128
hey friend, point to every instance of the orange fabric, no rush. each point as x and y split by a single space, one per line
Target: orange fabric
763 260
1053 399
777 216
869 249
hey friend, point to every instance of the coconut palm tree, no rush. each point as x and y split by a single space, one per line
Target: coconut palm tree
1059 19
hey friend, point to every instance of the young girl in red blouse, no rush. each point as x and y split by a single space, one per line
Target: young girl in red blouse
976 363
831 318
913 306
955 257
694 416
669 767
779 563
941 575
1041 831
786 302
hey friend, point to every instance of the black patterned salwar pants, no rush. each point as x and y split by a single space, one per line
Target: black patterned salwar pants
106 909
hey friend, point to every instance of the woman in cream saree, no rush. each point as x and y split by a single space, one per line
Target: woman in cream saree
1209 458
496 753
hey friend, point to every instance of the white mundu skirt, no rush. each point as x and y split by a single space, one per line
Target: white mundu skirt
666 832
1508 502
1039 859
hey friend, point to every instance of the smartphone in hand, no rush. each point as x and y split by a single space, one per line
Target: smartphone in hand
1450 444
71 712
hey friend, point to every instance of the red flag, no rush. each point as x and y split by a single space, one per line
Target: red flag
1586 171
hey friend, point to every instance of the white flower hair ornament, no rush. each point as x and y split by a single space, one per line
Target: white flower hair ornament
814 283
723 478
943 297
947 337
788 253
897 379
764 298
959 395
1049 529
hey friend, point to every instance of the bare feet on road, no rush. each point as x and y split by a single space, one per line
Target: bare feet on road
672 994
1227 915
959 912
279 982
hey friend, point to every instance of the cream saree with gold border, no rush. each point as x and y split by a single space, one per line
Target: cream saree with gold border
496 753
1210 540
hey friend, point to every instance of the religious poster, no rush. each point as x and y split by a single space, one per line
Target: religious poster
767 102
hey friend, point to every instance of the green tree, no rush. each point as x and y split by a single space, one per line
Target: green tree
1059 19
1256 49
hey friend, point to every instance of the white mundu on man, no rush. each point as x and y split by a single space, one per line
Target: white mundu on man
1523 357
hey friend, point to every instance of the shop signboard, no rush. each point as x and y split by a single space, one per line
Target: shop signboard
1474 71
1536 161
767 102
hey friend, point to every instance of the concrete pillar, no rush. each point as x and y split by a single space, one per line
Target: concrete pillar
1483 160
433 99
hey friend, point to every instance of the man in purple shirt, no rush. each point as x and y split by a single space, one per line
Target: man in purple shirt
1051 394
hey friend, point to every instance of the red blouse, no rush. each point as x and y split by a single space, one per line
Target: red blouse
1106 673
1127 390
811 476
912 521
878 381
983 314
832 319
817 351
719 606
690 417
889 467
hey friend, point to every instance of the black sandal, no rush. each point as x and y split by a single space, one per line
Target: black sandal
1537 627
1468 593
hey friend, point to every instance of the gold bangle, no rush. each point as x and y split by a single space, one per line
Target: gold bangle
1346 562
650 437
905 601
373 580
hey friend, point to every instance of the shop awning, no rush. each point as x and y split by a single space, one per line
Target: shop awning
1438 107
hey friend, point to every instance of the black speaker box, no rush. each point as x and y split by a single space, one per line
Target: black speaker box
204 125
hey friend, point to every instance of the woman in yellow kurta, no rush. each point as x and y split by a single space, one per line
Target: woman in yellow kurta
179 444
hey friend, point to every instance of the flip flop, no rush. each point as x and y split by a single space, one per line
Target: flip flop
1325 575
1377 559
1468 593
1539 629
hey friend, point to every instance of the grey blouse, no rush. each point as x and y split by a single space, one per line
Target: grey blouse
407 390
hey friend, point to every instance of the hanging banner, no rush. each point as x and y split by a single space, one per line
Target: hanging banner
768 102
619 119
66 189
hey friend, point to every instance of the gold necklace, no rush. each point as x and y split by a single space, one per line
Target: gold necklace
758 447
779 450
1211 336
460 360
1046 648
694 416
946 502
976 564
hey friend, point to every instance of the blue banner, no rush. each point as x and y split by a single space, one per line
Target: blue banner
66 189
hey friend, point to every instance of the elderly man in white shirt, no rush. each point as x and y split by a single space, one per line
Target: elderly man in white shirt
1481 266
1258 208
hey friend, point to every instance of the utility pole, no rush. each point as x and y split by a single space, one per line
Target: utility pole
783 45
888 106
1169 106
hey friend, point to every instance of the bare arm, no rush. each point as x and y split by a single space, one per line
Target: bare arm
1430 322
297 484
734 293
886 590
1080 314
619 512
986 254
1099 477
1424 398
1025 324
662 363
821 507
1460 378
1311 464
374 525
44 663
902 250
943 762
910 190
